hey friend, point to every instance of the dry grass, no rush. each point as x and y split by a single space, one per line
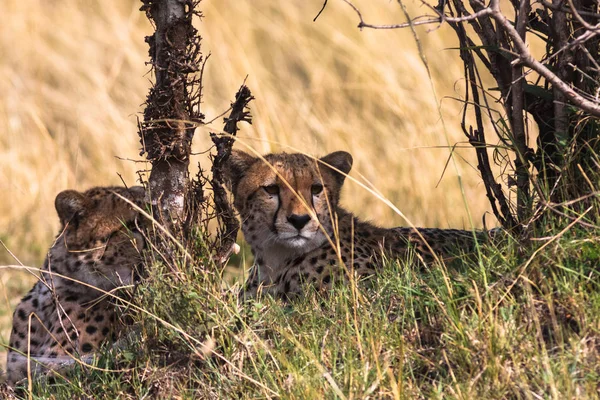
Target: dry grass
522 322
74 79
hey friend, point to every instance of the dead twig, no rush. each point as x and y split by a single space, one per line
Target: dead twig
320 11
417 21
229 224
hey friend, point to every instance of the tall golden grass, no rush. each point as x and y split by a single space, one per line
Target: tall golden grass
73 80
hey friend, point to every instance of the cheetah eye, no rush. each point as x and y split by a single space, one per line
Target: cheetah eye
316 188
271 189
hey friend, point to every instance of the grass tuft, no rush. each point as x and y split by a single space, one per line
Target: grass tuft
518 322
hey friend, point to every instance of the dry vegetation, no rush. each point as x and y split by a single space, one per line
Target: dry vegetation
74 79
514 324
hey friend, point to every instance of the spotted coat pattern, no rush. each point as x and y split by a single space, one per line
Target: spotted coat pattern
68 314
288 204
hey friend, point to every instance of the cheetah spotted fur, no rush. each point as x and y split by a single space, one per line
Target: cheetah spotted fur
61 319
288 205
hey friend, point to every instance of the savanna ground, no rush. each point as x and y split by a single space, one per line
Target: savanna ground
516 321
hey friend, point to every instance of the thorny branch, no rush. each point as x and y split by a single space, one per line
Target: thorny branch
223 208
173 103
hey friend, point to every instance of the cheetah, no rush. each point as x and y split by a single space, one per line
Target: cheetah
68 314
298 233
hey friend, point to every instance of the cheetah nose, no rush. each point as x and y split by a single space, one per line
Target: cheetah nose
298 221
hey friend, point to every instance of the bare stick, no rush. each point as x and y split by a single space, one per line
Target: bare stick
416 22
517 121
224 210
321 10
476 137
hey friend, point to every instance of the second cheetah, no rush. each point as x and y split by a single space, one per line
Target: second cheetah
68 314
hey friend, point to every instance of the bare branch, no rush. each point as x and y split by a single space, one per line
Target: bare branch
416 21
583 22
476 137
569 11
568 78
321 10
224 210
524 55
517 121
527 59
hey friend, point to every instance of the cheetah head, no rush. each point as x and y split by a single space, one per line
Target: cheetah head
287 200
100 242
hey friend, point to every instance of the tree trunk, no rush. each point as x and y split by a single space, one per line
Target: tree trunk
172 106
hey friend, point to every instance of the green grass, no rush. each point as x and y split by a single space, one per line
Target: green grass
522 321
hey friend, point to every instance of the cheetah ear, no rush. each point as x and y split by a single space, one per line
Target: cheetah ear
68 204
341 161
236 166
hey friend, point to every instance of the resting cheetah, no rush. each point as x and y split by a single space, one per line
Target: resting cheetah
298 233
99 245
